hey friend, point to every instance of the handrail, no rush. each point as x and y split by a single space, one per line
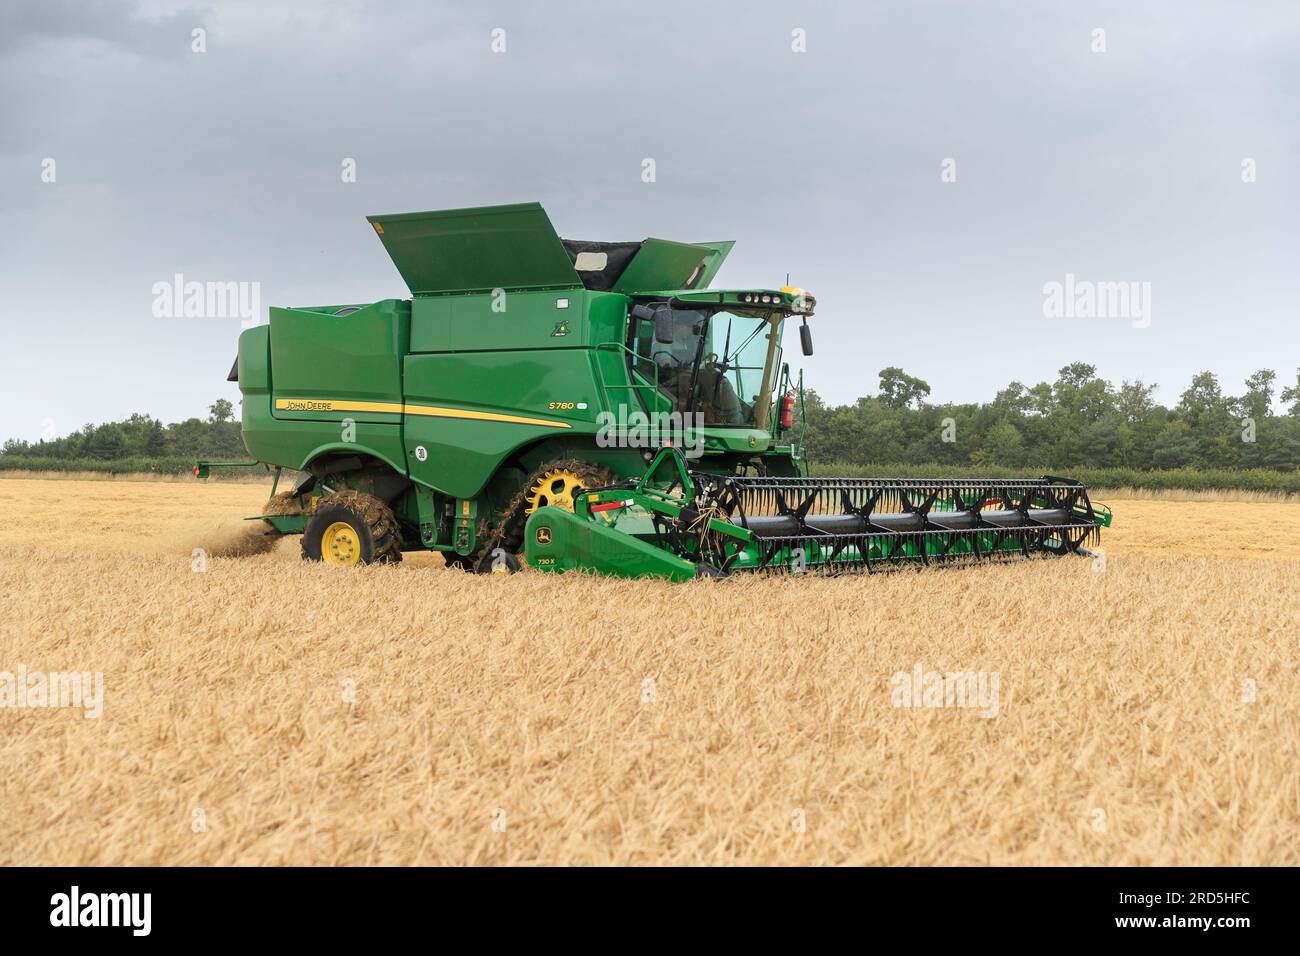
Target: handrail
620 347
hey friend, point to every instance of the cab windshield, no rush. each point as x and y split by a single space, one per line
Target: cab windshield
714 366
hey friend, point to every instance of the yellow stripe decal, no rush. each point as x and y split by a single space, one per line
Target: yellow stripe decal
397 408
437 412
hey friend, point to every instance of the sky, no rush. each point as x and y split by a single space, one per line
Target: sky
926 169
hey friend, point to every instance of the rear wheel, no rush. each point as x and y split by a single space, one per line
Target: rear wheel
350 528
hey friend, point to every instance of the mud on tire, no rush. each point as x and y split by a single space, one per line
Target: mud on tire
509 533
375 527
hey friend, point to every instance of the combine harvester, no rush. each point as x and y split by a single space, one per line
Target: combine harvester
593 405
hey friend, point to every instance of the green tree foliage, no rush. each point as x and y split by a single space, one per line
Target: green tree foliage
1291 395
139 437
900 390
1257 403
221 411
1079 420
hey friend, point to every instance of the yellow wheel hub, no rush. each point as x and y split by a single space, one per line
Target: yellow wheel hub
555 488
340 544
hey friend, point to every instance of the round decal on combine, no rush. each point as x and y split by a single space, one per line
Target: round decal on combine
421 453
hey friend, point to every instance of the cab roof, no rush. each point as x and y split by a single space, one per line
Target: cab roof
787 299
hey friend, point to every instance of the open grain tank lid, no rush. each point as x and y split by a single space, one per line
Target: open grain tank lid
474 250
516 247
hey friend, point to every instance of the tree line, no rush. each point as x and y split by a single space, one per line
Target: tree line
1079 420
140 438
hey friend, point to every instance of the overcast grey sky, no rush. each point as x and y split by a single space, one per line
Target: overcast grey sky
225 166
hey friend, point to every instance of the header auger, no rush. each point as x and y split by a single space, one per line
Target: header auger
594 405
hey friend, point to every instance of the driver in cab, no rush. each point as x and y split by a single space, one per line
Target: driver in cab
717 400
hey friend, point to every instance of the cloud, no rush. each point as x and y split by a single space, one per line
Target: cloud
826 164
28 25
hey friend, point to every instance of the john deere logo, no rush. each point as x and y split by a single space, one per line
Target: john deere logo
752 441
543 535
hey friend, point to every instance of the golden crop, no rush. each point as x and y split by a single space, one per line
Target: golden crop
269 711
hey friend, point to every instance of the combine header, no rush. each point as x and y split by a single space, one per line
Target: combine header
592 405
715 525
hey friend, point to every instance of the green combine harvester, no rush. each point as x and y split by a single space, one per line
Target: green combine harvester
591 405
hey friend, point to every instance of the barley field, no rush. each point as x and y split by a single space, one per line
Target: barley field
260 710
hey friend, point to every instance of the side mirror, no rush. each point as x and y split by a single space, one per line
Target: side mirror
805 338
664 326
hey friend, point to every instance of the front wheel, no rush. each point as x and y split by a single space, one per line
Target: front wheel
350 528
555 485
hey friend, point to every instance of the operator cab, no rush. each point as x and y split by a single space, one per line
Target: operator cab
716 354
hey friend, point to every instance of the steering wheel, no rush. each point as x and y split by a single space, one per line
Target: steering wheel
668 358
